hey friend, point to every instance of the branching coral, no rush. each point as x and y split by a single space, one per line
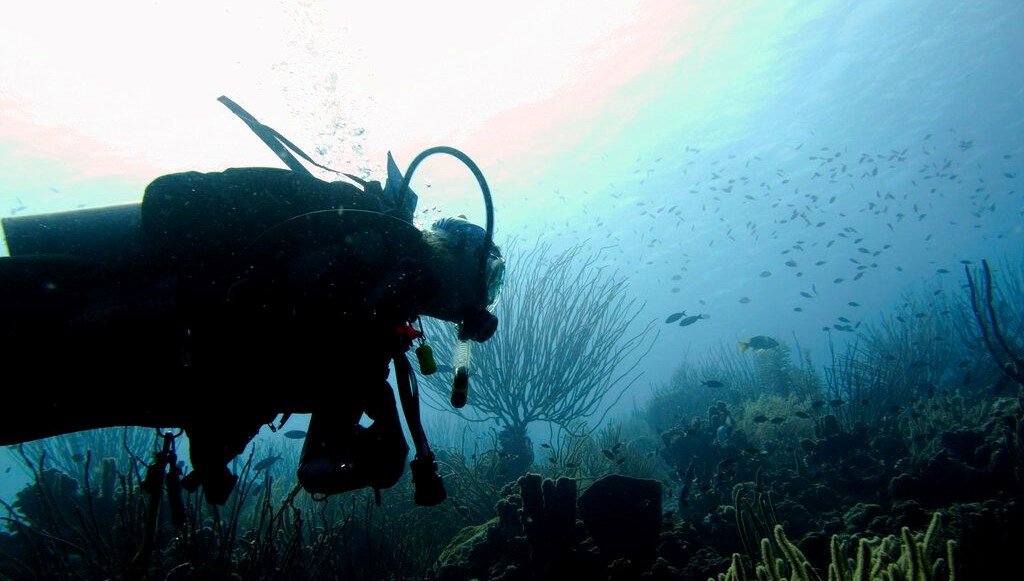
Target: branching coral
65 528
1009 358
909 557
866 384
926 420
587 457
756 420
67 453
568 342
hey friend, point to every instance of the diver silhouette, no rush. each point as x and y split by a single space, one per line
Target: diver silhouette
225 299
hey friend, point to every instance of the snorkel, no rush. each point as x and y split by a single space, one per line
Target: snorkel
478 323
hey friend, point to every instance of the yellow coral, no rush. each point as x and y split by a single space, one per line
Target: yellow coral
909 557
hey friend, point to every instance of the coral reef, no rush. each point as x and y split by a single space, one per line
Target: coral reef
920 557
623 515
779 472
559 359
537 535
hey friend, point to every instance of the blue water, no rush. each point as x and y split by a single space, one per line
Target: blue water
927 93
936 80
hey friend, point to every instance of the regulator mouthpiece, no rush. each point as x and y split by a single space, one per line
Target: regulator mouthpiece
478 325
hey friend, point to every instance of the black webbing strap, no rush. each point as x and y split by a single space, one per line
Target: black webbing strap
153 484
266 134
280 144
408 394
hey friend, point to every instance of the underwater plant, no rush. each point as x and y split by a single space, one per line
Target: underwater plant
74 527
1006 355
68 452
911 556
773 420
777 375
588 456
865 385
569 341
688 394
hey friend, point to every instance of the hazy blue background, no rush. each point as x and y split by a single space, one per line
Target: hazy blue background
587 118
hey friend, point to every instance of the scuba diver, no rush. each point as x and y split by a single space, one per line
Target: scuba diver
225 299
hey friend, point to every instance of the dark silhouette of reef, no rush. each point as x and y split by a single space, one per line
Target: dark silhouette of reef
902 457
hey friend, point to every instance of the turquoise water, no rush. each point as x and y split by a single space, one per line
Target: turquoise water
576 129
774 165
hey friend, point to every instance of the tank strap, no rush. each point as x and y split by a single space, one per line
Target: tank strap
279 144
428 486
408 394
156 479
284 420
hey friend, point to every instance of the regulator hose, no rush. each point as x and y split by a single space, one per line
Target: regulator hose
484 190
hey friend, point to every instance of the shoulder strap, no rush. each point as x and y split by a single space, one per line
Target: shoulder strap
280 144
397 205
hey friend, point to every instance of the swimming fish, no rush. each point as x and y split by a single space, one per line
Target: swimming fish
266 463
758 343
691 320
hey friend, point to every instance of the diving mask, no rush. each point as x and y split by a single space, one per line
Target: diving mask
467 240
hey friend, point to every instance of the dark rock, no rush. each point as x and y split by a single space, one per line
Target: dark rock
904 487
794 517
833 526
837 447
534 536
705 564
623 514
815 546
623 570
662 570
883 526
818 497
827 427
889 447
675 545
988 533
1000 464
476 550
947 480
910 514
962 443
857 517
